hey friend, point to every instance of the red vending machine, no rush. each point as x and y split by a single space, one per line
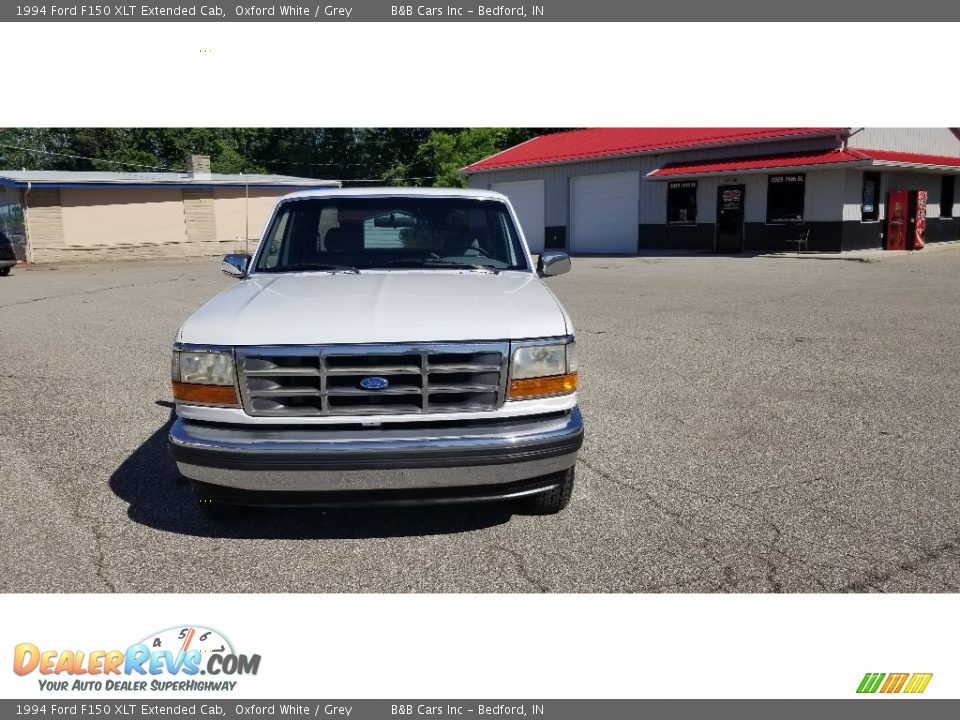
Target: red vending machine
898 210
918 215
906 220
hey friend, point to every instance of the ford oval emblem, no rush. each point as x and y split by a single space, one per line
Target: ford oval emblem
374 383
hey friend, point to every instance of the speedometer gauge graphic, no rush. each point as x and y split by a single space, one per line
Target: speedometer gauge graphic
188 637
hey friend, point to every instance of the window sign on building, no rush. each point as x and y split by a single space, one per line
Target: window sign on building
785 194
682 202
947 186
870 203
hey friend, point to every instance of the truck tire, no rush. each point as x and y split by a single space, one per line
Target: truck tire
4 272
552 501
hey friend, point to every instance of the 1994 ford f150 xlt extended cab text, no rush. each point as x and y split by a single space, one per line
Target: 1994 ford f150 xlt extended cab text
382 346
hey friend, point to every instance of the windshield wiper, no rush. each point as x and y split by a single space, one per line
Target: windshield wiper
320 267
430 262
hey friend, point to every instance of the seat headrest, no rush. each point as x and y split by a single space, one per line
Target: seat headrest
343 239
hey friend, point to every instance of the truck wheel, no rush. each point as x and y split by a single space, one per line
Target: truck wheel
4 272
552 501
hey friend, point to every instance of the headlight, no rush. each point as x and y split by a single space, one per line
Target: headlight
538 360
543 370
207 368
201 377
572 360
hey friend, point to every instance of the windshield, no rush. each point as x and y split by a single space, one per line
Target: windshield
349 234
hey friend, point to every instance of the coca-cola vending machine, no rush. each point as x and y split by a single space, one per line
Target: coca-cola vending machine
906 220
918 216
898 204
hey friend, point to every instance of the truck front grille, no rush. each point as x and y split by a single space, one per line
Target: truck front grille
329 380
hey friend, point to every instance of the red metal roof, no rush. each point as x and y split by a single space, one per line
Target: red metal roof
860 156
886 156
606 142
761 162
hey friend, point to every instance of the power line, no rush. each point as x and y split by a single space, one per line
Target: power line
381 180
92 159
162 168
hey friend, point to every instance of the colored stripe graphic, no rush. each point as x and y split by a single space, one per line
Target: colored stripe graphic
894 683
870 682
918 683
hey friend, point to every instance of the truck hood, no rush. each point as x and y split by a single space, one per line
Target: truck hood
378 307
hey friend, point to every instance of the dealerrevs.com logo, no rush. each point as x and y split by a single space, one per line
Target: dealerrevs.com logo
172 659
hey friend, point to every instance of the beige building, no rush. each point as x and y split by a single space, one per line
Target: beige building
52 216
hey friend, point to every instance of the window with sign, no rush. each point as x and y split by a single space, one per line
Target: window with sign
947 185
682 202
785 195
870 200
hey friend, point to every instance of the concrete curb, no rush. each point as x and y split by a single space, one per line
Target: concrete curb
96 262
868 256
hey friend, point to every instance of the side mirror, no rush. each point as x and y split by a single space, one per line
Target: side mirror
235 265
553 263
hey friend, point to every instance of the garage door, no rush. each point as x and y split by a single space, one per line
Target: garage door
604 213
527 199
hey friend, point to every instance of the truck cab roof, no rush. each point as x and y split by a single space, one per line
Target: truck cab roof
460 193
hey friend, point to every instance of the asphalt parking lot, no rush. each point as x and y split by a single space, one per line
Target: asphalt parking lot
754 425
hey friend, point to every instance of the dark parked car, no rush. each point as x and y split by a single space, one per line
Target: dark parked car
7 257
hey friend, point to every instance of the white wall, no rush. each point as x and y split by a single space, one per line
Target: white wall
823 199
526 197
929 141
121 216
653 199
830 194
233 209
891 180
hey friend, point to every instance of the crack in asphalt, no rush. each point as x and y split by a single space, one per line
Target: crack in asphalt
781 486
772 569
35 378
840 520
88 292
100 562
91 524
703 541
874 579
95 527
525 572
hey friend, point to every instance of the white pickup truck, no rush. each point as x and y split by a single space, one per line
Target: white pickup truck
383 346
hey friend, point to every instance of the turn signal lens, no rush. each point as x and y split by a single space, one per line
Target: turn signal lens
543 386
205 394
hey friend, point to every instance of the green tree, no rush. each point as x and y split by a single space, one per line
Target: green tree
446 152
361 156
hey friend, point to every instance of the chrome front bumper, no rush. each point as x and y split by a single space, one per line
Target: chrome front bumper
327 459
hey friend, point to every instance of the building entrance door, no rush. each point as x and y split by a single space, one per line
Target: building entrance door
729 230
